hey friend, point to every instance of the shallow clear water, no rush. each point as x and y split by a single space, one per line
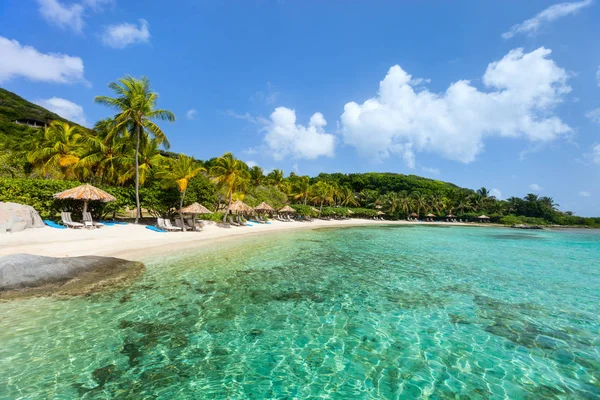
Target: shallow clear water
382 312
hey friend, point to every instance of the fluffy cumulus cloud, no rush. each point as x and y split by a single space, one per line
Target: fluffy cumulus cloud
27 62
285 138
548 15
496 193
191 114
62 15
584 193
122 35
64 108
523 88
251 163
535 187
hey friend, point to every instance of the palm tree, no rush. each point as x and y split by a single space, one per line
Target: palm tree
149 159
106 152
275 177
256 175
404 202
135 104
346 196
230 173
322 192
392 201
58 149
302 188
181 171
420 202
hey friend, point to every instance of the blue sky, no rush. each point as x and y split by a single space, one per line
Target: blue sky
504 95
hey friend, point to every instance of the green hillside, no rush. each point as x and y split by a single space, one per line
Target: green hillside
13 107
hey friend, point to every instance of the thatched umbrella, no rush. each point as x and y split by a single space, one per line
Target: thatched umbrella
430 215
86 193
483 218
450 216
380 213
194 209
414 215
287 209
350 212
264 207
240 207
316 210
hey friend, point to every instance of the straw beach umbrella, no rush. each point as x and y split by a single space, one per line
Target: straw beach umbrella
287 209
240 207
194 209
483 218
316 210
380 213
264 207
350 212
86 193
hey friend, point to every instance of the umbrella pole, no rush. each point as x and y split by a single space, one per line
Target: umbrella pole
85 206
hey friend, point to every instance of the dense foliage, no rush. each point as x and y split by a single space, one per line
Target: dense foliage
124 153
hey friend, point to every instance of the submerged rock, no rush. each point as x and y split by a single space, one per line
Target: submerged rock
23 275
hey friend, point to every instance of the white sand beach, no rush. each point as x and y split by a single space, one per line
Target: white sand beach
135 242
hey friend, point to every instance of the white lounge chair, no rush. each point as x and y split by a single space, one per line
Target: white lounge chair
87 219
68 222
169 225
162 224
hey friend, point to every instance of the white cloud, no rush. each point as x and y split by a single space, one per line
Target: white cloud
64 16
523 89
550 14
27 62
596 153
594 115
284 138
122 35
97 4
535 187
191 114
251 163
584 193
64 108
496 193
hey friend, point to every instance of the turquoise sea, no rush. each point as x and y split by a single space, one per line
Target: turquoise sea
355 313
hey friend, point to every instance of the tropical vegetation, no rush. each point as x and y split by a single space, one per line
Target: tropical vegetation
127 155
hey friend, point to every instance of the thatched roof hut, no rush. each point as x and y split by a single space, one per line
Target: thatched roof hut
264 207
195 208
86 193
240 207
287 209
414 215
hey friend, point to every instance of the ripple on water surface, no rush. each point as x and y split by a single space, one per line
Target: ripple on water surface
336 313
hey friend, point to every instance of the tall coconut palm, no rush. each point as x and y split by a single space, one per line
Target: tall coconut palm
302 188
57 149
256 175
181 170
231 174
105 152
346 196
149 159
420 202
135 104
405 202
275 177
322 192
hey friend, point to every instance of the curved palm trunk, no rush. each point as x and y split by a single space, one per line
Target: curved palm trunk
228 206
138 210
321 209
305 196
180 207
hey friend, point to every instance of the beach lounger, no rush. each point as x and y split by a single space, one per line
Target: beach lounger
170 226
87 218
162 224
196 228
232 222
68 222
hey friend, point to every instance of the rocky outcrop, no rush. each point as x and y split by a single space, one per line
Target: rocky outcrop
16 217
24 275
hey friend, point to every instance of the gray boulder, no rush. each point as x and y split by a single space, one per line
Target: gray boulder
15 217
72 275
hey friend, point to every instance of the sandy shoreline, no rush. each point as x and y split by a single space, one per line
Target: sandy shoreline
134 242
